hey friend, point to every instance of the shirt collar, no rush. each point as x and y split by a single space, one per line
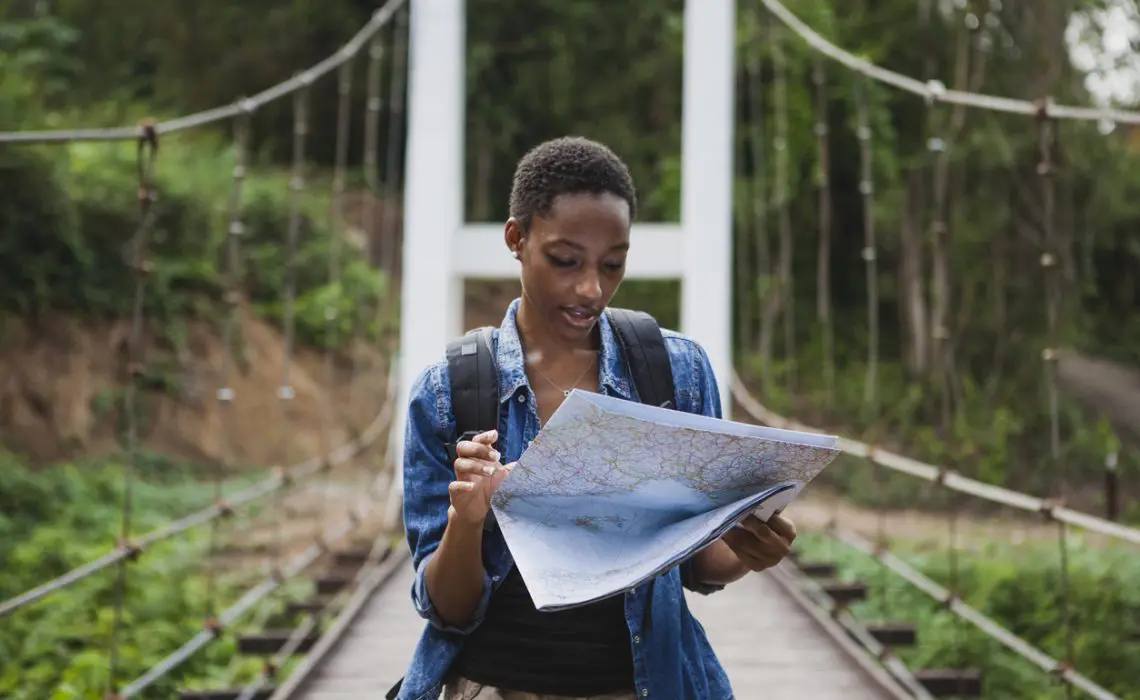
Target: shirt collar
512 366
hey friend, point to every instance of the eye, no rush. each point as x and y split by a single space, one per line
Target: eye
559 262
615 266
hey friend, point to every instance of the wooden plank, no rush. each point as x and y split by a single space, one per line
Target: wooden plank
951 682
268 642
845 592
223 694
894 634
769 647
377 648
772 650
818 569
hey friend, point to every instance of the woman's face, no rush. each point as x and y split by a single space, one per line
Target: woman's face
573 261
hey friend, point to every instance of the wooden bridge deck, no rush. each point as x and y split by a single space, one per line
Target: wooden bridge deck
771 648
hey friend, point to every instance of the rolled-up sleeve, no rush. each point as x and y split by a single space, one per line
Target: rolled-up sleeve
694 377
427 473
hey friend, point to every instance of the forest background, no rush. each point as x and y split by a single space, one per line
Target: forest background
538 69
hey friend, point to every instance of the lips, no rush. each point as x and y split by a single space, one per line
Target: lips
579 316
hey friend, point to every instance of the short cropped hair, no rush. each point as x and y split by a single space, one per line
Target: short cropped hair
567 165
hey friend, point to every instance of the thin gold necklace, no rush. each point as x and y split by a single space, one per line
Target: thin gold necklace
566 392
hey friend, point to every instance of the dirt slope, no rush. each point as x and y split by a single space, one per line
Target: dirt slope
59 382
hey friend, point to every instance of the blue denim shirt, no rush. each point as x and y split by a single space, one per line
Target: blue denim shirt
672 656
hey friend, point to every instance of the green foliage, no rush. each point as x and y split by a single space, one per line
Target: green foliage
68 215
1021 589
55 519
67 231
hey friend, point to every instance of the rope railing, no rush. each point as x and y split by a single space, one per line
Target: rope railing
260 592
360 438
942 130
954 482
282 477
935 91
951 601
247 105
942 476
147 135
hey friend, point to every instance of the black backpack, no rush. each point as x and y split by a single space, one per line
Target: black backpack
475 377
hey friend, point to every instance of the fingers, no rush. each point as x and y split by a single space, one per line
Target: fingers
487 438
752 552
784 527
480 447
758 545
456 488
466 465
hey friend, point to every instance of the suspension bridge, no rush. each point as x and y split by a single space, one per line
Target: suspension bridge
333 618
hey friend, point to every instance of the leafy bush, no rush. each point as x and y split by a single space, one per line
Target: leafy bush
54 519
1020 588
71 213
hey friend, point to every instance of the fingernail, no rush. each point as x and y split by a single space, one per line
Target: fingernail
495 455
489 471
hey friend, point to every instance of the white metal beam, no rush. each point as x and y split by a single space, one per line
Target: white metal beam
706 182
440 250
478 252
433 195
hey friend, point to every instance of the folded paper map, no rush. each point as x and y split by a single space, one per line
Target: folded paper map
612 492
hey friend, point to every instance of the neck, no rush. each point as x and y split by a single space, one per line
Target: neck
537 337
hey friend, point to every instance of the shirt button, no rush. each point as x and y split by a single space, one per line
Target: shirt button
636 639
644 692
522 399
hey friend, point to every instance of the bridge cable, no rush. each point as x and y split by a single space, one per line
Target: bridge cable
389 313
924 89
871 409
782 147
938 138
1050 263
742 229
823 258
946 477
146 157
361 320
764 293
257 491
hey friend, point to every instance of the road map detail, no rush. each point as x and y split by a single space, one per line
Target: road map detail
613 492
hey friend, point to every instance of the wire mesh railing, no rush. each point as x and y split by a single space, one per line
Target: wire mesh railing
284 476
945 120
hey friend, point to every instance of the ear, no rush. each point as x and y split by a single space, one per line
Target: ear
513 237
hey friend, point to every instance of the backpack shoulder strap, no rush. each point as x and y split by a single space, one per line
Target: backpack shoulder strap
474 385
640 337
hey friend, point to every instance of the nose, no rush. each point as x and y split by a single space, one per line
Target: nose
589 287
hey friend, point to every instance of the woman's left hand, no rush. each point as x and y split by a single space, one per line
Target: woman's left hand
758 545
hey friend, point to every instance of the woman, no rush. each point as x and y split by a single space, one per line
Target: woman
571 207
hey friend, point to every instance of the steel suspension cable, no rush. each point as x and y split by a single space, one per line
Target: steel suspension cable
764 292
1050 262
742 296
783 199
354 45
389 255
286 392
823 260
147 155
226 394
871 411
924 89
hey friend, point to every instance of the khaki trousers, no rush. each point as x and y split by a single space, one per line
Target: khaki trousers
463 689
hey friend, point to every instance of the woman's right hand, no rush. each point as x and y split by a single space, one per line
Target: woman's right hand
478 473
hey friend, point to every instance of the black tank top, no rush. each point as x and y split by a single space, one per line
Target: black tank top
577 652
